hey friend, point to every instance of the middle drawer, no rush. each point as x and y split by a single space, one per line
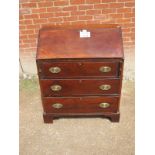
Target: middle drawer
79 87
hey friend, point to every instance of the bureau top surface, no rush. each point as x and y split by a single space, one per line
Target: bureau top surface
105 41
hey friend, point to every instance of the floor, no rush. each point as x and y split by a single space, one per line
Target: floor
74 136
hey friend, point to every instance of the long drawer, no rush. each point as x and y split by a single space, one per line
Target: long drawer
47 69
80 104
79 87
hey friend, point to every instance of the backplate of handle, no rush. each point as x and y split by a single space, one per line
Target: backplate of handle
56 87
57 105
104 105
105 69
105 87
55 70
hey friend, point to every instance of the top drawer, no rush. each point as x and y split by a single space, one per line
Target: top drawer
47 69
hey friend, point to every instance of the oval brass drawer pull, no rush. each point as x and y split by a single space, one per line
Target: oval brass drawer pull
104 105
105 69
57 105
105 87
55 70
56 87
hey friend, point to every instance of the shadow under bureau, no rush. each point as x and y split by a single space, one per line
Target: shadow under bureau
80 71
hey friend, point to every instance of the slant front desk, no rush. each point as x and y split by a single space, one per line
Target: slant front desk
80 71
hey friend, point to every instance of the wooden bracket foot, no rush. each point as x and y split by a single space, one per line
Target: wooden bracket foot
47 118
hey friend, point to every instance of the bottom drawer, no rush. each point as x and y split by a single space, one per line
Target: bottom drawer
80 105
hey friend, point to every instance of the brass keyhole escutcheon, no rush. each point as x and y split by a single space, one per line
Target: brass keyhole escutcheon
55 70
105 69
56 87
57 105
105 87
104 105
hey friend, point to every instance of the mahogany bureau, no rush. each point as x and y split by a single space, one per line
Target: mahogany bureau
80 71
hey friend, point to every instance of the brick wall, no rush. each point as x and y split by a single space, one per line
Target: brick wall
36 13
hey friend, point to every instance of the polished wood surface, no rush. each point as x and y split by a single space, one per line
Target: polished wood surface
65 42
78 69
73 64
81 104
80 87
113 116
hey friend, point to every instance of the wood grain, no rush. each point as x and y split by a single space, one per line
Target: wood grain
87 104
82 87
61 42
77 69
80 77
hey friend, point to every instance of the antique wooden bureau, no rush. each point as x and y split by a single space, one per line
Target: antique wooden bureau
80 71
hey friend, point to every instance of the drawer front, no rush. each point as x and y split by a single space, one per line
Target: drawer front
81 105
77 87
77 69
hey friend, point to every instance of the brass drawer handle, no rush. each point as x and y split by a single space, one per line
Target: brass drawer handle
104 105
55 70
105 87
56 87
57 105
105 69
